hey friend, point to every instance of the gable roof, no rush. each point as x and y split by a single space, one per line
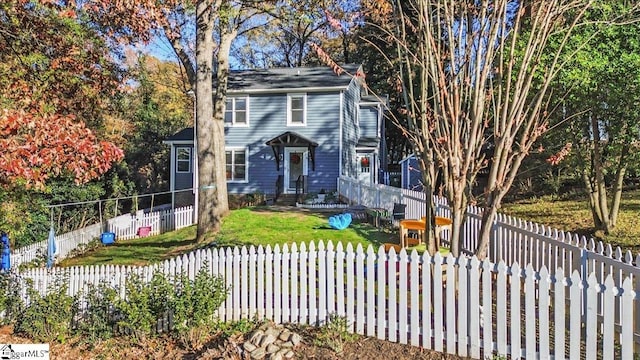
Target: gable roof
183 136
290 79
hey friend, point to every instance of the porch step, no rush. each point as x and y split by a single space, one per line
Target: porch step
286 199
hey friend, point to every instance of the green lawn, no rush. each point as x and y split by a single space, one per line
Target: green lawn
140 251
249 226
574 215
264 226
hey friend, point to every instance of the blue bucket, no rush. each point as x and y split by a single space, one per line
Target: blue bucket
108 238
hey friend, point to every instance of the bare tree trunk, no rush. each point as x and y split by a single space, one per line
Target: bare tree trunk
206 131
617 186
594 205
486 230
426 163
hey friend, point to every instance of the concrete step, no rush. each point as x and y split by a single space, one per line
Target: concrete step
286 199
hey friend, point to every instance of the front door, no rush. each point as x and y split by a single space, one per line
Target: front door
366 173
295 165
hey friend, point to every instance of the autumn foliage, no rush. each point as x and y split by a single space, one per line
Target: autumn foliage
36 148
57 75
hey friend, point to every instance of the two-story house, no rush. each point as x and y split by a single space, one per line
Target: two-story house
293 129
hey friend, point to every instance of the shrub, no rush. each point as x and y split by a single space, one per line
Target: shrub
39 261
11 303
334 333
96 312
48 318
196 302
135 312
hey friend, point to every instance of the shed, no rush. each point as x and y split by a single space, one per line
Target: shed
411 175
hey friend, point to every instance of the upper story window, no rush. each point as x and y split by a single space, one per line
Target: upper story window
297 109
183 159
237 111
236 164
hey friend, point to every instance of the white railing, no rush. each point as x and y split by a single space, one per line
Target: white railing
459 306
124 227
513 240
516 240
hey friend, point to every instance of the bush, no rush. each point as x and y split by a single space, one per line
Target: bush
191 304
334 334
48 318
96 314
196 302
136 315
11 303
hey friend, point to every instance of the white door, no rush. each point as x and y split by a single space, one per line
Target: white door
366 168
295 164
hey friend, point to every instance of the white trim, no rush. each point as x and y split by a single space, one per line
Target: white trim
234 149
380 120
305 165
407 158
178 142
189 159
172 169
291 96
233 100
341 120
280 91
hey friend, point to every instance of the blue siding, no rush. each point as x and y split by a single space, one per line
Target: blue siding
183 180
350 131
368 121
268 119
411 174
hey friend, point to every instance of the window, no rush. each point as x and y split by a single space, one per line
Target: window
183 159
236 165
297 109
237 111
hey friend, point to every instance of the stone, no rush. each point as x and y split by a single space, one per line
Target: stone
267 339
284 335
279 355
289 354
295 339
248 346
256 336
272 348
287 344
272 331
258 354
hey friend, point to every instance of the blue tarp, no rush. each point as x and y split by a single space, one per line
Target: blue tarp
51 248
6 253
340 221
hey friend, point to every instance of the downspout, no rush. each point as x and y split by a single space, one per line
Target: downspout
172 175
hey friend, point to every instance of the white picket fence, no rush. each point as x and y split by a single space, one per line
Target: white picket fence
458 306
124 226
516 241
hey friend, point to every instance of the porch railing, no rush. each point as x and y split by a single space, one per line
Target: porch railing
279 187
301 187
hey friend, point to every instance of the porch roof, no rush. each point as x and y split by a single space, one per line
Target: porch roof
290 138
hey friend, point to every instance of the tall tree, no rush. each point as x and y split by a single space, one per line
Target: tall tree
216 24
56 78
287 30
474 79
600 118
155 109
